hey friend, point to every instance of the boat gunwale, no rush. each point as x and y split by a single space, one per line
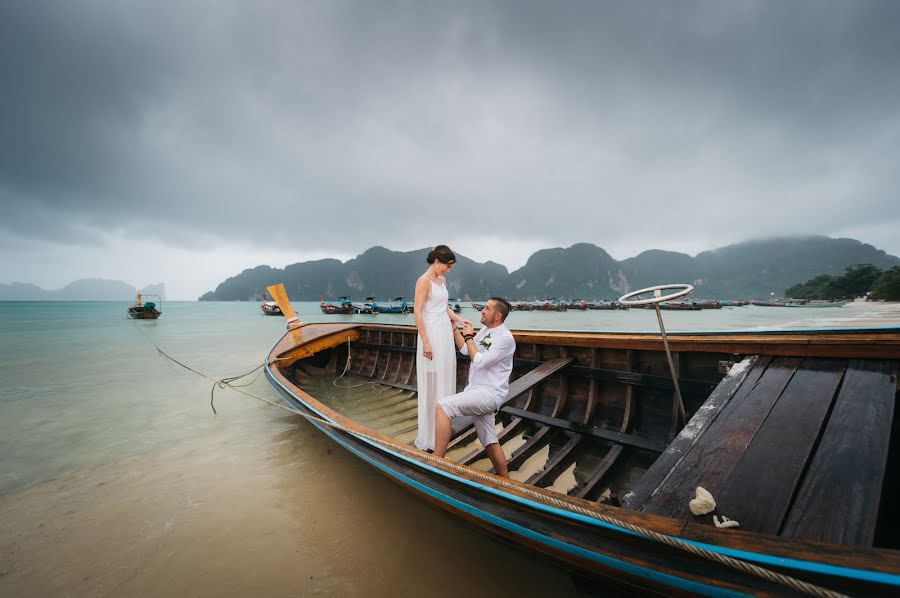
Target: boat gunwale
878 565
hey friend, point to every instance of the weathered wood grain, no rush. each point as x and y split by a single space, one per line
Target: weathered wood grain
711 460
759 489
694 430
839 498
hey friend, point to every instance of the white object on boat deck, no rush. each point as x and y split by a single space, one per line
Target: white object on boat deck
726 522
703 502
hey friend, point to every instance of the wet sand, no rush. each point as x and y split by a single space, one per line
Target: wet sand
293 515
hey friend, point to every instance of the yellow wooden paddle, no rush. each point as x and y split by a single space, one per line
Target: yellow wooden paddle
281 298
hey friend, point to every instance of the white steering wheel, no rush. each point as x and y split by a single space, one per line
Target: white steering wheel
658 297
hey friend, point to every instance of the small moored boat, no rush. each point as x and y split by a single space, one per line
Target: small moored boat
605 305
145 310
397 306
342 307
270 308
369 307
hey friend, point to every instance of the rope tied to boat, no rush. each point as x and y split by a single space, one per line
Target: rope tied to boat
347 368
228 382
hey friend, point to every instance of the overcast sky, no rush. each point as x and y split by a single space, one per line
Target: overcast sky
182 141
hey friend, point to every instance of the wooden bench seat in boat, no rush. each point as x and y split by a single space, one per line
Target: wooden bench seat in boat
796 447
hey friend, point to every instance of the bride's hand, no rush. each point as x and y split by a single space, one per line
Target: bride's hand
465 322
426 352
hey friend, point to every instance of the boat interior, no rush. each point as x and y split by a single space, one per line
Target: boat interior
794 438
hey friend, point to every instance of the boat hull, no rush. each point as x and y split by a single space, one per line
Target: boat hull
142 313
271 309
621 555
332 310
600 549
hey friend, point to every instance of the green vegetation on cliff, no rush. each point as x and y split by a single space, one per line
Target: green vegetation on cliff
887 286
856 282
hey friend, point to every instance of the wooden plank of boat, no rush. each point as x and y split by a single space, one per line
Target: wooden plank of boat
581 429
553 467
846 344
713 457
687 386
615 452
855 343
537 375
508 431
308 340
773 463
530 447
695 428
387 365
839 498
600 470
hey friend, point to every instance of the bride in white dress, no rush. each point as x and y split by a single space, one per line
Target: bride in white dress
435 349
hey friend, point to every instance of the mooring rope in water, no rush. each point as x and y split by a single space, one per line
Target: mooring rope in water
560 502
217 383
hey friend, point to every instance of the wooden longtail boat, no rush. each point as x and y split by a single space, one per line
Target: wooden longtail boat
270 308
795 434
678 306
395 306
342 307
142 310
605 305
369 307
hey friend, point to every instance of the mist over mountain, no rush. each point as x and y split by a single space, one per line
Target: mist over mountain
88 289
750 269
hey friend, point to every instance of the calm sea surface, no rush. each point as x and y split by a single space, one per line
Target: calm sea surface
117 479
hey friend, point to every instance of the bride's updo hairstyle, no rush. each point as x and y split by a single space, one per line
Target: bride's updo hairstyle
442 254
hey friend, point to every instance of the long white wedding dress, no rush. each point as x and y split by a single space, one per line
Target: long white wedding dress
436 377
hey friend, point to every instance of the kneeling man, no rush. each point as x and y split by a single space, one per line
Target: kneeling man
491 354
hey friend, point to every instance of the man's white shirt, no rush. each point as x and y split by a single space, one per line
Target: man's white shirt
492 365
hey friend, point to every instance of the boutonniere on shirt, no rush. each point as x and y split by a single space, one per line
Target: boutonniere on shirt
486 342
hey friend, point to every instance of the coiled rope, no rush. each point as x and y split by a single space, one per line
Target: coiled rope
347 367
559 502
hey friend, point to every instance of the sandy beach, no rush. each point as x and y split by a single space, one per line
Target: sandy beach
859 314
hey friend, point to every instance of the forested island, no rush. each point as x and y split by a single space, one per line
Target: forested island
751 269
857 281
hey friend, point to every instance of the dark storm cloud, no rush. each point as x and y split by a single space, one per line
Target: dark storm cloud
346 124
